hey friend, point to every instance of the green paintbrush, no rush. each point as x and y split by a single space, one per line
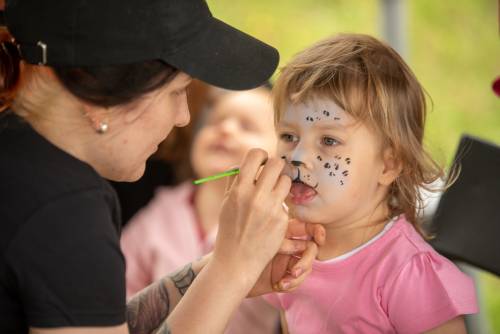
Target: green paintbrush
230 172
217 176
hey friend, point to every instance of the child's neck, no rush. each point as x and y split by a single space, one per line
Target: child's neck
342 237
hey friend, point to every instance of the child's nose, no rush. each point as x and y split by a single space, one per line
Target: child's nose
301 157
228 125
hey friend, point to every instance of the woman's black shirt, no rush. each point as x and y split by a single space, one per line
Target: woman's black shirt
60 258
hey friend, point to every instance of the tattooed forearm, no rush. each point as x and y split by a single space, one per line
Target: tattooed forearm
183 279
147 310
163 329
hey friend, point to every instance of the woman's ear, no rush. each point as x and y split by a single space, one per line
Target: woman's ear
392 167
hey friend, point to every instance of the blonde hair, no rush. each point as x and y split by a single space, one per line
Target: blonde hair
370 81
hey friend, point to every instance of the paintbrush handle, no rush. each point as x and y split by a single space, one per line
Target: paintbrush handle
217 176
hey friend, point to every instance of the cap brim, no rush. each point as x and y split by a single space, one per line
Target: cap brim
226 57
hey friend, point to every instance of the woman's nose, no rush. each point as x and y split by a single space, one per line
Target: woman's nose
183 116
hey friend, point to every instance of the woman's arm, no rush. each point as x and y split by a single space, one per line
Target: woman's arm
147 310
252 228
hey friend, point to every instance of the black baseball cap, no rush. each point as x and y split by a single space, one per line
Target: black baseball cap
182 33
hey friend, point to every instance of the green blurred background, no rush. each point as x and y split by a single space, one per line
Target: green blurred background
452 46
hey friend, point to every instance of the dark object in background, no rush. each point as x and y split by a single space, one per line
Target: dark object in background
496 86
135 195
467 220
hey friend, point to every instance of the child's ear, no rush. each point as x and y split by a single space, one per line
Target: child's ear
392 167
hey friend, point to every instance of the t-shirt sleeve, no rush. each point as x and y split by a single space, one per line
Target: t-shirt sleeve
429 291
68 264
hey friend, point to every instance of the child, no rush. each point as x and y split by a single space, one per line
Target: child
180 224
350 118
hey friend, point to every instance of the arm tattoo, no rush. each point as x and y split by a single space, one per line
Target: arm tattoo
183 279
147 310
163 329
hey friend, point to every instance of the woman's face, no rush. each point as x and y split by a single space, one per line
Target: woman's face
238 122
136 130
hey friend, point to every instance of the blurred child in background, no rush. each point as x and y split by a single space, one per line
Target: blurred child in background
180 223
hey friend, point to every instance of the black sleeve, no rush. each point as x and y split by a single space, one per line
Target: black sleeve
68 264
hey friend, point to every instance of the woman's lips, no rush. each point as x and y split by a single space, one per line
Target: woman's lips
301 193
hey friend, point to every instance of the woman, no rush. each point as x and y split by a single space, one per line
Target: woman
108 87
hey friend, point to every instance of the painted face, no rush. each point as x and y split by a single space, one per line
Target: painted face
335 162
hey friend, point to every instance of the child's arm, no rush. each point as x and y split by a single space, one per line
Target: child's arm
454 326
284 325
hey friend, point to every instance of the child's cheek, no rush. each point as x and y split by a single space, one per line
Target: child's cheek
333 175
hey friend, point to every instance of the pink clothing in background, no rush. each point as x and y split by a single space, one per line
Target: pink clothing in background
396 284
164 236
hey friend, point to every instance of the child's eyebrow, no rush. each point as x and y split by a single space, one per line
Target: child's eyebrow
287 124
329 125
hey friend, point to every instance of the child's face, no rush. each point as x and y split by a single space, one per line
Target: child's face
335 162
238 122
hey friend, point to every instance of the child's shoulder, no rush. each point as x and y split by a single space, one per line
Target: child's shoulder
407 240
410 257
425 288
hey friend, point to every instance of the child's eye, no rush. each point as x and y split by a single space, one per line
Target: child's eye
289 138
329 141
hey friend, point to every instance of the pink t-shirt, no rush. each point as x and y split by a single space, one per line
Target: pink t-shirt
164 236
396 284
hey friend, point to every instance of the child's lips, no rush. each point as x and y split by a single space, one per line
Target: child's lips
301 193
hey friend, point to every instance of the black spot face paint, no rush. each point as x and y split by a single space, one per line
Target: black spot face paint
326 113
348 161
319 158
283 157
336 166
309 118
327 165
337 118
345 173
341 182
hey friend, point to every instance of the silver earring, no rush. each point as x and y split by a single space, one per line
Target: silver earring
102 127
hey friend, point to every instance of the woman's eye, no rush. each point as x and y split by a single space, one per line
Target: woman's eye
289 138
329 141
179 92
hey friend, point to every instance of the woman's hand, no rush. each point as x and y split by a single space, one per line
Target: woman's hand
253 221
293 264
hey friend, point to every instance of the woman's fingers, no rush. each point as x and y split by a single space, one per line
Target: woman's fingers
270 174
298 229
230 180
299 271
251 166
291 246
282 187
